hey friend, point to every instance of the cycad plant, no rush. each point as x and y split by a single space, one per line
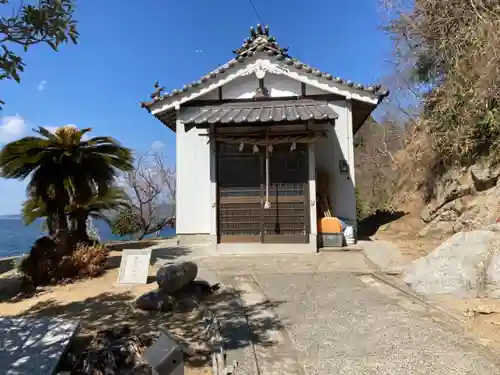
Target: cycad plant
65 171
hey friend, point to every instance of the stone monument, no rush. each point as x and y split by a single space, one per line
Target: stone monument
134 266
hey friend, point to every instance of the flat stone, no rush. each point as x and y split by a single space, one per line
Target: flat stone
34 346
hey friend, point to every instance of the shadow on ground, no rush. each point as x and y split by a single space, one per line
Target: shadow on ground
368 226
11 286
109 310
135 245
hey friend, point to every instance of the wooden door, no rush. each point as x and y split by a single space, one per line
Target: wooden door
287 220
241 182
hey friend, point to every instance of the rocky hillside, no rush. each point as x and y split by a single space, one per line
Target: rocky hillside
448 60
464 198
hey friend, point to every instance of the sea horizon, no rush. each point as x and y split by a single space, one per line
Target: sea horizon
16 238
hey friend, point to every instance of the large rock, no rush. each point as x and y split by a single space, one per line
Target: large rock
385 255
458 266
155 301
454 184
492 282
438 229
173 277
485 175
449 212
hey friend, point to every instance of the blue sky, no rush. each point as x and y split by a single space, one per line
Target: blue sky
126 46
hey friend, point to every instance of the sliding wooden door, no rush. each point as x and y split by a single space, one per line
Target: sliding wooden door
242 195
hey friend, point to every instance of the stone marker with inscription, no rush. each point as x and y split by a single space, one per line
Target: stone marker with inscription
134 266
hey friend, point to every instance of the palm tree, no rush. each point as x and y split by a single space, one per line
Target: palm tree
64 168
98 207
34 208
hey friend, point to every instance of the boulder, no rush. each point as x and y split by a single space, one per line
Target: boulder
485 175
492 282
173 277
437 229
385 255
155 300
458 266
454 184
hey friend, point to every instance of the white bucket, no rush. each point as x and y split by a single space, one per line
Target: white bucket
350 232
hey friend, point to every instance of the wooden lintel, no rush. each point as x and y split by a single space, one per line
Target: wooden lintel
318 97
303 132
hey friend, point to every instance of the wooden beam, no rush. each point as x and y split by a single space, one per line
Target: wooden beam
263 134
319 97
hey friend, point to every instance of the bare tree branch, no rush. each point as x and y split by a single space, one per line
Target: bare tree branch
151 187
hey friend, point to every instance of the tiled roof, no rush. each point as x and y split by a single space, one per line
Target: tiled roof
261 42
263 111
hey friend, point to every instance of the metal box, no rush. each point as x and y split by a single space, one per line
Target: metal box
331 239
165 356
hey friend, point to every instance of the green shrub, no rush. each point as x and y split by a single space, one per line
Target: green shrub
46 264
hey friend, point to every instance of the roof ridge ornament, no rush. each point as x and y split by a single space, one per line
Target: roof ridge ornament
158 90
260 41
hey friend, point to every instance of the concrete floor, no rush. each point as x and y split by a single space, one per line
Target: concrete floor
339 323
318 314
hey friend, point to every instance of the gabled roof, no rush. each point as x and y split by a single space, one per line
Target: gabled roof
260 43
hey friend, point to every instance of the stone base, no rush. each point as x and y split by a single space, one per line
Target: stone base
210 241
195 239
268 248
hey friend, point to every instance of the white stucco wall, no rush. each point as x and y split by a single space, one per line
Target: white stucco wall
328 153
194 186
282 86
312 189
244 87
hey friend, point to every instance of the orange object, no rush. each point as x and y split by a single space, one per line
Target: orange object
329 225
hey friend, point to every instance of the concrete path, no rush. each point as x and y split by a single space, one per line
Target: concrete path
340 323
316 314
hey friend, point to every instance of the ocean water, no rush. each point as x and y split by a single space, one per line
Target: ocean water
17 238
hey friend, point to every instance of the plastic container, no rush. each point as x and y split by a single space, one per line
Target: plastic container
350 231
350 238
329 225
330 239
